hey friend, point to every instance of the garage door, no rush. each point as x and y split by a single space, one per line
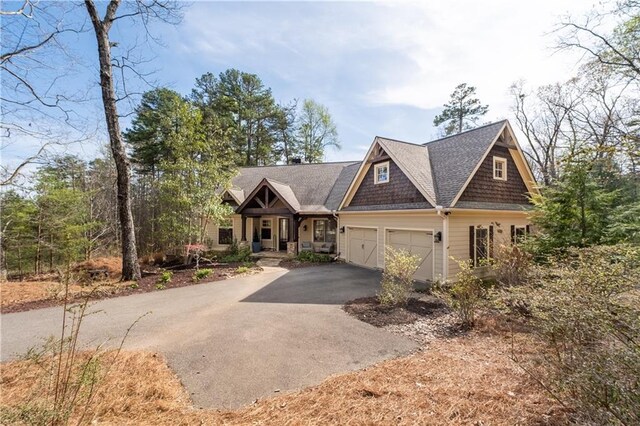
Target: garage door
363 246
417 242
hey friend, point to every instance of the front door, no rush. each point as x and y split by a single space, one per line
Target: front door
283 233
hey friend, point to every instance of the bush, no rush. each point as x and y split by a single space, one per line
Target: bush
236 254
165 277
160 286
397 278
201 274
242 269
511 264
311 257
464 295
585 306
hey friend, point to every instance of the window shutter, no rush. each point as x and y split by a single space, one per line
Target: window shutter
528 229
513 234
472 243
490 241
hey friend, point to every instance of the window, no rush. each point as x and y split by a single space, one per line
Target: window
381 173
265 229
225 232
518 233
324 231
499 168
480 244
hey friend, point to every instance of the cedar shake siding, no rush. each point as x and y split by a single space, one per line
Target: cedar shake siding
398 191
484 188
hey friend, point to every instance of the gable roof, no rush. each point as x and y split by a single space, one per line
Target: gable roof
309 188
441 169
413 160
454 159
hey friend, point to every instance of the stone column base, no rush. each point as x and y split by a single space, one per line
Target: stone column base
243 244
292 249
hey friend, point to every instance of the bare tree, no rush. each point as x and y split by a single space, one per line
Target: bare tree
618 49
102 25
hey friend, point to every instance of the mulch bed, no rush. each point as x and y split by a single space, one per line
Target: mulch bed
150 276
369 310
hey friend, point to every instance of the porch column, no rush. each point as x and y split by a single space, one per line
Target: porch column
244 228
292 227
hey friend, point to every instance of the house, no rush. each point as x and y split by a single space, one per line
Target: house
451 199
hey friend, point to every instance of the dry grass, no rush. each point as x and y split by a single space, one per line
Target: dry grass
19 292
112 265
461 381
16 292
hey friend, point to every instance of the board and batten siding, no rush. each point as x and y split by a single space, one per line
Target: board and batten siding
459 223
396 220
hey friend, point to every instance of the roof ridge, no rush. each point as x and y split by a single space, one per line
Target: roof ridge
276 181
398 140
301 164
466 131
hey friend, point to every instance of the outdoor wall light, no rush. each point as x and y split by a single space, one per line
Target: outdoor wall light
437 237
342 229
304 227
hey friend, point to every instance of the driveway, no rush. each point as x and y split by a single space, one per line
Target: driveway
234 341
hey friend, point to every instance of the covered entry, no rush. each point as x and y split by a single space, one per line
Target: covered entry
417 242
362 246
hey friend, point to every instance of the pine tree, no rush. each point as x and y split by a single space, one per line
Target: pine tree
462 111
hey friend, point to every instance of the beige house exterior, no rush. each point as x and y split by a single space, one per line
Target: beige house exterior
449 200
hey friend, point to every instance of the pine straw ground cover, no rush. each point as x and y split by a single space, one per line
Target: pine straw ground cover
466 380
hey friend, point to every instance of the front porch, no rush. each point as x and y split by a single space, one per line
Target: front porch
272 221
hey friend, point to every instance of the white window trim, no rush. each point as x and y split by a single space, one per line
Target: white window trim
524 232
222 226
375 172
503 161
475 248
266 227
313 230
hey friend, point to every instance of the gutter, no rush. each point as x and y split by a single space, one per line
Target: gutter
444 215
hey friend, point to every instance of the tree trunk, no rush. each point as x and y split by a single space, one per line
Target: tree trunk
130 266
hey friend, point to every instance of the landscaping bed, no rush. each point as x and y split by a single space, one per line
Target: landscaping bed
20 296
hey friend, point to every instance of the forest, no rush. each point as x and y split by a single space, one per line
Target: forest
183 150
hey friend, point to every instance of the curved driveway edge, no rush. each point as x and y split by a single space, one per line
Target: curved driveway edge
232 342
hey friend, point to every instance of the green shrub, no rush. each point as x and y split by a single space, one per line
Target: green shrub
165 277
585 307
133 285
464 295
242 270
237 254
397 278
160 286
201 274
311 257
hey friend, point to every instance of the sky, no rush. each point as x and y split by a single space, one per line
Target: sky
382 68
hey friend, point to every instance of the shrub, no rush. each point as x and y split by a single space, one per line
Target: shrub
397 278
201 274
311 257
236 254
165 277
242 269
160 286
511 264
464 295
585 308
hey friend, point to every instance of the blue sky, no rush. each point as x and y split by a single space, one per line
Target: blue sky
380 68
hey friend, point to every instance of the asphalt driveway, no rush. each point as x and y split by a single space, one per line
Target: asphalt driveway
234 341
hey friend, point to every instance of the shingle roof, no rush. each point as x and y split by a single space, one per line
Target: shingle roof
414 161
454 158
316 187
286 193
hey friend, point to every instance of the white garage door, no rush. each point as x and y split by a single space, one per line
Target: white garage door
417 242
363 246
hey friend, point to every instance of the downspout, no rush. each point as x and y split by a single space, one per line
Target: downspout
337 218
444 215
